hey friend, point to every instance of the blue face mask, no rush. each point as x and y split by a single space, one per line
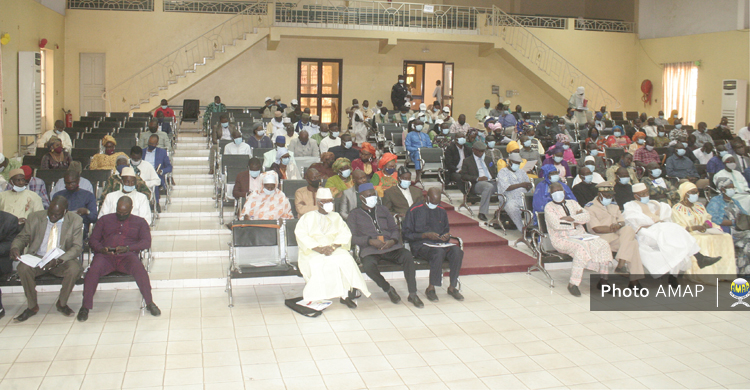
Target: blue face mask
514 167
128 188
656 172
558 196
606 201
527 143
680 152
461 141
588 178
431 206
405 183
254 174
268 192
558 159
661 134
19 189
418 127
692 198
554 178
624 180
285 160
335 134
678 126
446 131
644 199
723 153
491 144
348 144
401 81
617 134
594 152
225 124
730 192
238 141
641 141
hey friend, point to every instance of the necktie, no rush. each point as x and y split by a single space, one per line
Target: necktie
52 241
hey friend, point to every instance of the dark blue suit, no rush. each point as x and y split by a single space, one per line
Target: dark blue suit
161 161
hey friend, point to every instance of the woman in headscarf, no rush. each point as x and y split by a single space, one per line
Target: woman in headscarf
713 241
386 176
343 178
513 147
268 204
601 142
284 165
366 161
672 117
541 193
618 139
724 212
108 159
555 158
57 157
564 141
639 140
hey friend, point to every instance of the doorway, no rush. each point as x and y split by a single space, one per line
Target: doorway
319 88
422 79
92 82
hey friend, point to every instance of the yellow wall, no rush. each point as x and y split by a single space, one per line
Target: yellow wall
27 22
723 55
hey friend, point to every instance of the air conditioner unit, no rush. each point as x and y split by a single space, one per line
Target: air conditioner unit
29 92
734 103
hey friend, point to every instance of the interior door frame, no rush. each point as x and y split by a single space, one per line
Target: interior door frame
80 80
320 96
424 63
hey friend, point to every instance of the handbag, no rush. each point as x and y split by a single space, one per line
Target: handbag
742 222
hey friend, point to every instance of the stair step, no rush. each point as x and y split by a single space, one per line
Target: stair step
181 138
198 232
188 159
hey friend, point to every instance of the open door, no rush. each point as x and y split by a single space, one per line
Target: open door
448 84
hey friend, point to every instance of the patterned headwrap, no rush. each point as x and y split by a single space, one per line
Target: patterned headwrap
340 163
638 135
616 127
512 145
109 138
366 146
385 159
562 138
684 188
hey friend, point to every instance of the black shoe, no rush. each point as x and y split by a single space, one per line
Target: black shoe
482 217
65 310
704 261
395 298
673 281
83 314
355 294
574 291
455 294
413 298
28 313
348 302
2 312
158 206
153 309
635 284
431 295
622 271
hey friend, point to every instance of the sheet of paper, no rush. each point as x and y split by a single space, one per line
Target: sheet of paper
584 237
30 260
530 164
315 305
440 245
51 255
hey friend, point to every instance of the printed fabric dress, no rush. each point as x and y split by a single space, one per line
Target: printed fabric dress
260 206
721 210
591 254
714 242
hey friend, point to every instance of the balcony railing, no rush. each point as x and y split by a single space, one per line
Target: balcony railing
216 7
605 25
114 5
552 22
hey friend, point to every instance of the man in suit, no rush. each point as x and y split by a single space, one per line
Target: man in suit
398 199
481 173
9 229
153 129
159 159
43 232
349 199
454 158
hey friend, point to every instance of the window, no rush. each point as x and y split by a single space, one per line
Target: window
43 86
680 81
319 88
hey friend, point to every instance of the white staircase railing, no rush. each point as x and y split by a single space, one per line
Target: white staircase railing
146 84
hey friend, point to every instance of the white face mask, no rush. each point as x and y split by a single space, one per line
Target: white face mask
558 196
692 198
371 201
328 207
135 163
268 192
19 189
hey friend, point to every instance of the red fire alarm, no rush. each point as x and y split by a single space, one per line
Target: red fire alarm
43 43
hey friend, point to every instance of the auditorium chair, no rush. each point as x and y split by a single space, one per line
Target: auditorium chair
289 188
545 252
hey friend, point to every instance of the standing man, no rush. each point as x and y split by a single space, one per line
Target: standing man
399 91
43 232
377 234
117 239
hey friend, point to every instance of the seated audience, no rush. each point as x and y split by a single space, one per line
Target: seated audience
221 131
34 184
146 172
366 161
590 163
57 132
237 146
276 127
305 124
623 187
565 220
284 166
514 183
269 109
7 165
724 212
164 126
662 138
722 132
19 200
626 161
399 199
701 137
691 215
9 228
164 109
417 138
563 140
153 129
158 158
665 247
83 183
454 157
606 221
80 201
481 173
585 191
618 139
639 140
425 227
345 150
116 241
324 260
139 206
325 166
304 197
269 204
650 128
661 121
659 189
269 157
319 137
349 199
556 159
108 159
57 157
678 131
259 138
596 139
44 232
378 236
681 167
460 126
646 155
715 164
441 136
332 140
215 106
248 181
304 146
542 195
115 182
385 177
528 152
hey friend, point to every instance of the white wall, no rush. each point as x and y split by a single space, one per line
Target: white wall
672 18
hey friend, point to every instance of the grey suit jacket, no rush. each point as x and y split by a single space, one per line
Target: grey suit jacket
347 202
71 236
395 201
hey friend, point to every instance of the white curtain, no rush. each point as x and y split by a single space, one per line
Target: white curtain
680 81
1 98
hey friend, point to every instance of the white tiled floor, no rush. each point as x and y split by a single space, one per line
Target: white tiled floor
510 332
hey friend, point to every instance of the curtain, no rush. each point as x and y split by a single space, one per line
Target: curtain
1 98
680 82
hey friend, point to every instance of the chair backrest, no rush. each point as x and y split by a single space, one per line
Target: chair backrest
631 115
232 173
256 243
32 161
146 115
191 108
616 115
124 143
50 176
663 151
292 249
389 131
83 155
222 144
290 187
110 125
91 118
614 153
121 116
259 152
83 124
135 124
96 176
398 139
88 143
573 170
431 155
100 114
546 242
235 161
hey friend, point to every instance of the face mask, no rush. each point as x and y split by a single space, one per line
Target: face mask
335 134
135 163
617 134
594 152
527 143
588 178
558 196
405 184
461 141
418 127
254 174
365 107
58 132
128 188
19 189
238 141
649 148
328 207
262 133
58 149
680 152
566 147
401 81
661 134
692 198
641 141
431 206
371 201
729 192
268 192
661 116
225 124
435 109
491 144
531 137
446 131
606 201
345 173
348 144
656 172
164 107
678 126
644 199
723 153
558 159
591 167
675 117
389 171
109 152
285 160
624 180
554 178
731 166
